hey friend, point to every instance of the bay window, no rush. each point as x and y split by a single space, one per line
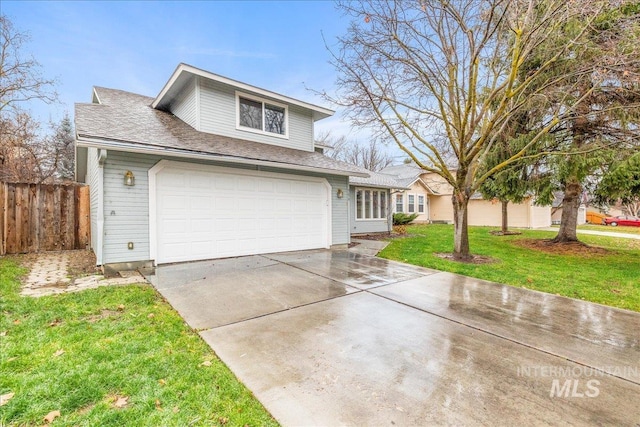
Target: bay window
371 204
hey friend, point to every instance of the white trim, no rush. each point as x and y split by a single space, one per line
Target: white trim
175 152
381 192
424 204
95 95
263 101
182 67
415 205
162 164
102 158
197 95
395 204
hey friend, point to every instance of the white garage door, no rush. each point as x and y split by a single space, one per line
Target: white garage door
205 212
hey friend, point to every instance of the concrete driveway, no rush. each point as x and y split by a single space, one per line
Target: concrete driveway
337 338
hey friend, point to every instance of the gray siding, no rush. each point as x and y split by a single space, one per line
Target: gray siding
218 115
340 210
366 226
126 209
185 106
94 189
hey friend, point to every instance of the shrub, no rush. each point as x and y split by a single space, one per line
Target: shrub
403 219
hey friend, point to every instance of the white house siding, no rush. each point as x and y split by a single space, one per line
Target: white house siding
540 216
489 213
218 115
126 209
440 209
185 106
366 226
94 190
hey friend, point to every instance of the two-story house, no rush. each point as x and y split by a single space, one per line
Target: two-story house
211 168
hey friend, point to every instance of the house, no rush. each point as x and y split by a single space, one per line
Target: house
438 207
209 168
415 199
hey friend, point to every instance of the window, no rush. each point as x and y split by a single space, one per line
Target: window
399 203
371 204
411 203
261 116
420 204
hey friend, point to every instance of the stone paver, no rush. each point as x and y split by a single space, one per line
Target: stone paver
49 275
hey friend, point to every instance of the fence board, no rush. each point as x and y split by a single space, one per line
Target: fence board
11 243
3 237
42 217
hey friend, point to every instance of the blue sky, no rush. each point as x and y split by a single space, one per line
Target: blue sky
135 46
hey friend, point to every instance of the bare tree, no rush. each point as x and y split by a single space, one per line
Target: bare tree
26 154
369 156
442 78
21 77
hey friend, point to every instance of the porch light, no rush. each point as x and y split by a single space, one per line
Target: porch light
129 179
340 193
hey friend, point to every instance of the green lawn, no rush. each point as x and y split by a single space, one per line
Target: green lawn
612 278
618 229
84 354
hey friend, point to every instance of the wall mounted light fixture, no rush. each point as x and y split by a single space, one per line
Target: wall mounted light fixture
129 179
340 193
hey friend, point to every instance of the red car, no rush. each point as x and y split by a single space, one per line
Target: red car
622 220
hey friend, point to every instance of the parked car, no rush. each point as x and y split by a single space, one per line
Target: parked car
595 217
622 220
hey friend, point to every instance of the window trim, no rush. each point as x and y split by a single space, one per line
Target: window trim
395 203
424 204
263 101
409 210
381 193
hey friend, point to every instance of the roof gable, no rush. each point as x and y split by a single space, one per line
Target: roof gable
184 72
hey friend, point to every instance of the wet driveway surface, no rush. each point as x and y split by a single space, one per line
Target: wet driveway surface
336 338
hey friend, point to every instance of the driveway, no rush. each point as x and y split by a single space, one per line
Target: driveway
339 338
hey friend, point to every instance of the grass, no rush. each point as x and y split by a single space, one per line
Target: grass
116 342
618 229
611 279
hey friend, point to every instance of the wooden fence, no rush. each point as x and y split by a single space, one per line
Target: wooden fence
43 217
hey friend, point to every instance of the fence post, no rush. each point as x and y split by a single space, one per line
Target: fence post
3 218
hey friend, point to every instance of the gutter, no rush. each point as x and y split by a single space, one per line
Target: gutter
175 152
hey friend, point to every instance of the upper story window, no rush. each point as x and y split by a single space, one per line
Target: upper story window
261 116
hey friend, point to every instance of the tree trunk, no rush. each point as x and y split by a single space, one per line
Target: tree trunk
460 225
505 218
570 209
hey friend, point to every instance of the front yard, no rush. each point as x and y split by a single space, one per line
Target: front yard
607 272
110 356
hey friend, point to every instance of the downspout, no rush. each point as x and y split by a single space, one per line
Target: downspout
102 158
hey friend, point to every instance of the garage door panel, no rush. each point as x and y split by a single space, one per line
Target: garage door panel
212 214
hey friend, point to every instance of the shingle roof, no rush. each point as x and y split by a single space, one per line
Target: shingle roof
377 180
128 118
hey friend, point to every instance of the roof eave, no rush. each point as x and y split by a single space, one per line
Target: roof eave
96 142
318 112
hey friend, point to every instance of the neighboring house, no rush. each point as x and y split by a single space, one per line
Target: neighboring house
439 208
209 168
414 200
